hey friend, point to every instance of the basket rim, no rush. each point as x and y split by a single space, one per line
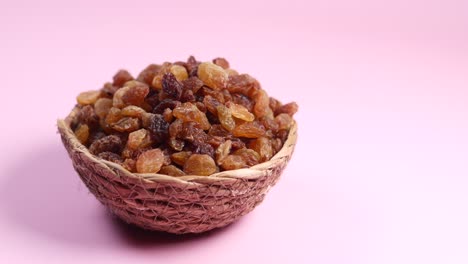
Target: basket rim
251 173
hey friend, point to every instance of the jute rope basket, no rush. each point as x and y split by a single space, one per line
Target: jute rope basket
187 204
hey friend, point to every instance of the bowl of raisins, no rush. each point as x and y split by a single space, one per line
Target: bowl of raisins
184 147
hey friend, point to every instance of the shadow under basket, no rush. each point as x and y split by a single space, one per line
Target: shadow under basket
187 204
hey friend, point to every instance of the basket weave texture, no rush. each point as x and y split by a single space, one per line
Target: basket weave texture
187 204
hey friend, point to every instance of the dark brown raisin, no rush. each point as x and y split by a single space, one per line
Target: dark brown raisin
111 156
187 96
111 143
121 77
88 116
171 87
158 128
192 83
166 103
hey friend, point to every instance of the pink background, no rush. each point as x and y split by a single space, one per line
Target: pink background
380 173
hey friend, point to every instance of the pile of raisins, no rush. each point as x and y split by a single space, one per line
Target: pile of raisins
183 118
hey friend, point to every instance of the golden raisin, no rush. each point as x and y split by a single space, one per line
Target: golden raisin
189 112
233 162
250 156
225 117
262 104
82 133
249 130
133 111
139 139
200 164
102 107
223 151
240 112
262 146
127 124
89 97
172 171
180 158
284 121
212 75
150 161
179 72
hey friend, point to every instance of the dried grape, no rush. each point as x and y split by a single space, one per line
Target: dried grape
199 164
150 161
212 75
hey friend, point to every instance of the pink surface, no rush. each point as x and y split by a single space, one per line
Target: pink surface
380 171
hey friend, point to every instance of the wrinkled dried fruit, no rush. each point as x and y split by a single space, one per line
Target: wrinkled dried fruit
240 112
121 77
102 107
199 164
179 72
133 111
82 133
189 112
148 73
172 171
250 156
110 156
139 139
171 87
158 128
180 158
262 104
222 62
192 83
233 162
89 97
225 117
111 143
212 75
290 109
284 121
211 116
249 130
127 124
223 151
150 161
262 146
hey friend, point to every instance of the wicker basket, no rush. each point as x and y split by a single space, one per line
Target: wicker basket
187 204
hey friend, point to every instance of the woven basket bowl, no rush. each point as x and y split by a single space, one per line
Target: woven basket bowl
187 204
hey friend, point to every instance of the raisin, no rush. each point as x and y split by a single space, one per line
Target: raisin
164 104
223 151
233 162
284 121
157 80
243 100
269 124
283 135
152 99
222 62
211 104
276 144
262 104
192 83
263 147
121 77
237 144
219 131
82 133
274 104
187 96
243 84
133 111
148 74
88 98
180 158
225 117
218 95
250 156
201 147
158 128
240 112
167 114
179 72
110 156
175 128
249 130
102 107
215 141
139 139
127 124
88 116
109 89
171 87
111 143
130 165
176 144
136 95
192 132
212 75
192 66
189 112
172 171
290 109
201 107
150 161
199 164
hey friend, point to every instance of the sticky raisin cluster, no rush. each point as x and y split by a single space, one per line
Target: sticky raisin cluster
183 118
